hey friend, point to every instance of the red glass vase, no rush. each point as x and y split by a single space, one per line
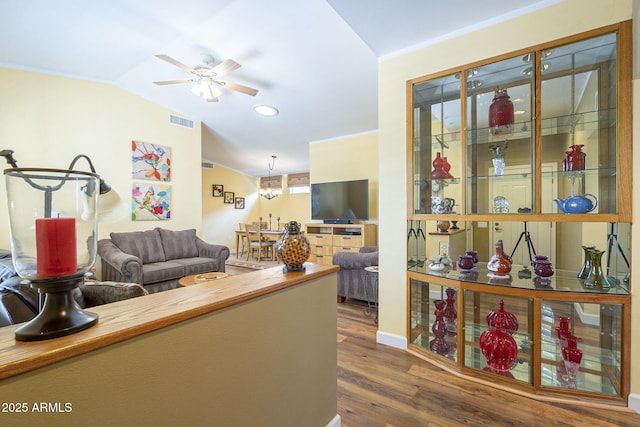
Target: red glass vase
439 329
447 167
576 158
450 313
498 264
499 348
571 356
503 319
501 116
563 331
438 168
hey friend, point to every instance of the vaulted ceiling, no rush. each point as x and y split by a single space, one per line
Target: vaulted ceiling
314 60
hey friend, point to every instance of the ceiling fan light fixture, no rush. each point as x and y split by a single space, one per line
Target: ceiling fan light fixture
206 90
266 110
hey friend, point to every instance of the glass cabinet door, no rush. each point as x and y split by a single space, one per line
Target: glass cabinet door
500 137
578 110
434 324
436 146
498 331
581 346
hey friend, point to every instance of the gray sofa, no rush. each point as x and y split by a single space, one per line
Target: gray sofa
158 258
352 278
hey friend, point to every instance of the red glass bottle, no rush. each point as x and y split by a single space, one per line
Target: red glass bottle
572 356
498 264
501 117
438 168
576 158
447 167
439 329
450 313
563 331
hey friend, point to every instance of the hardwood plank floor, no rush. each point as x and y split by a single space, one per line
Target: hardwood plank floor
380 385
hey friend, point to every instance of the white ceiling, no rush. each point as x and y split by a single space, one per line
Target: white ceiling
315 60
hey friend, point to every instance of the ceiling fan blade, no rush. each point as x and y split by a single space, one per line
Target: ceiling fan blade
173 82
238 87
227 66
175 62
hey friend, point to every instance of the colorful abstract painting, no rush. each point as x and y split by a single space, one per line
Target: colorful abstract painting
150 161
150 202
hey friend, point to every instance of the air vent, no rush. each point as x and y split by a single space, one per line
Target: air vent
181 121
207 165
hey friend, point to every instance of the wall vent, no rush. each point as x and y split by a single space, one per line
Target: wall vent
181 121
207 165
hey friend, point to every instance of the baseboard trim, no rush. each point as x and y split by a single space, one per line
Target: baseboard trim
391 340
633 402
335 422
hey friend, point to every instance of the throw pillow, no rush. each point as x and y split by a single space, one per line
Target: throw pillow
179 244
146 245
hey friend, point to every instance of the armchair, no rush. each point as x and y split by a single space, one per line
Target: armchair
352 277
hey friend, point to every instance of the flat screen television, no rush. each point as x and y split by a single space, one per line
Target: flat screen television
340 202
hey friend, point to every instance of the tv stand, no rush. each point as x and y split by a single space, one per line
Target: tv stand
327 239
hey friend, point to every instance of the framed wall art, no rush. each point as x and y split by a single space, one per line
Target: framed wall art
150 202
217 190
228 197
239 202
150 161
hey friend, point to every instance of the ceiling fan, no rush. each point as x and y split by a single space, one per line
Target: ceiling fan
206 77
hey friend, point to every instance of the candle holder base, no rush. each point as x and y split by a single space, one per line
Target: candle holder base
60 314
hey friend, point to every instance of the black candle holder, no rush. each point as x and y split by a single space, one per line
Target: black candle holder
60 314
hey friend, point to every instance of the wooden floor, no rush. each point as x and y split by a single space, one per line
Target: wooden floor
380 385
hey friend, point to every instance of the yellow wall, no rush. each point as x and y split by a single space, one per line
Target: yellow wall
560 20
348 158
219 220
47 120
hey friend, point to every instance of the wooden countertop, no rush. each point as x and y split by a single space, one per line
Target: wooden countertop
124 320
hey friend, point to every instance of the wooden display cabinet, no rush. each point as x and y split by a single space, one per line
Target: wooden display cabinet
500 181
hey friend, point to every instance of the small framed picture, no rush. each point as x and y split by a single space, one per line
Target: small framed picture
239 202
228 197
218 190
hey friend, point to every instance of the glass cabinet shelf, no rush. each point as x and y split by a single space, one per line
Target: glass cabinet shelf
521 277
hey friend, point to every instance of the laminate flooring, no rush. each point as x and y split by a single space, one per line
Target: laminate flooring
380 385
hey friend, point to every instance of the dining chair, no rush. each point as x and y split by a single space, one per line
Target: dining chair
257 243
244 243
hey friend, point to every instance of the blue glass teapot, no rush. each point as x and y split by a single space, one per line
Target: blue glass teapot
577 204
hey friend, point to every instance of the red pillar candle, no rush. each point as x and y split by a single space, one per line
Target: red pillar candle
56 246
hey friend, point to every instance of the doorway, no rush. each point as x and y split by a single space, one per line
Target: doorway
517 191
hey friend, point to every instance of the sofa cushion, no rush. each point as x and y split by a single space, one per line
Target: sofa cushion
98 293
161 271
198 265
178 244
146 245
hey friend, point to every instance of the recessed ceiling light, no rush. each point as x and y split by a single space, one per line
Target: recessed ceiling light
266 110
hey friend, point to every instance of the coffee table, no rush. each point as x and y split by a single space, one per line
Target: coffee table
195 279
